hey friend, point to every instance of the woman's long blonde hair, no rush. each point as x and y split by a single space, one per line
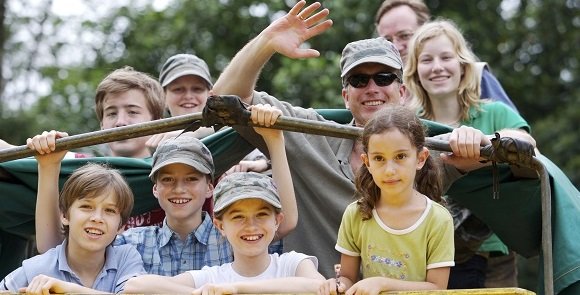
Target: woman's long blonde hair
469 86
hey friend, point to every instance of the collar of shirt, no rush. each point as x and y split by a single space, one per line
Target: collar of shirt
201 233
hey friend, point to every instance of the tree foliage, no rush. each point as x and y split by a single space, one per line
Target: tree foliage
531 46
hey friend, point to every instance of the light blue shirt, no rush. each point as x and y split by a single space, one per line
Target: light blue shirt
121 264
164 253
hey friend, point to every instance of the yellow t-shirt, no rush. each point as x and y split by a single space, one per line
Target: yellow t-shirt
404 254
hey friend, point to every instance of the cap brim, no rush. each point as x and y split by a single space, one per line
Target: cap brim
219 206
373 59
185 72
197 166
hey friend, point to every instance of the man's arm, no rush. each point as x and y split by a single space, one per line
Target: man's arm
285 35
47 214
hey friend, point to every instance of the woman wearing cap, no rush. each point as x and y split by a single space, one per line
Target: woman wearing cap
442 77
186 81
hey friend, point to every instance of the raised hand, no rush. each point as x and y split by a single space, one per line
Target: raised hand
286 34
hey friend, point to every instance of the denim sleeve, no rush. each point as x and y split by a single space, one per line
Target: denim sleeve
491 89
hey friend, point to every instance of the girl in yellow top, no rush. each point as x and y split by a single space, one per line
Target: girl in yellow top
395 233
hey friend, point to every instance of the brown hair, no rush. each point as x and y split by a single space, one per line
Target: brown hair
469 86
403 119
92 180
418 6
125 79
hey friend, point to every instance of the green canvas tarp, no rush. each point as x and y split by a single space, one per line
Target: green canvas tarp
515 216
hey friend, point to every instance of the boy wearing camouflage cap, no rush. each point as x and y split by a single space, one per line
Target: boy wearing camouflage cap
182 172
248 212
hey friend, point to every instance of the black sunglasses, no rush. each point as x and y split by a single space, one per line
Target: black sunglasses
381 79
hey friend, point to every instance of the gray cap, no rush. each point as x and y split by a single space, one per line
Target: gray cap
377 50
185 150
245 185
181 65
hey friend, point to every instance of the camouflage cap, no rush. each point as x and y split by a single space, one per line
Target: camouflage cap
245 185
181 65
186 150
377 50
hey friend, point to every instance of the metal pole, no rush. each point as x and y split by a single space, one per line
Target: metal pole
107 135
546 226
295 125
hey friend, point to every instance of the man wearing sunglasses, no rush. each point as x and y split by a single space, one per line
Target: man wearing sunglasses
323 167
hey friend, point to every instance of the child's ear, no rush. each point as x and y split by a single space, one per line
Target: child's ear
64 219
365 159
219 225
155 191
279 219
209 192
422 158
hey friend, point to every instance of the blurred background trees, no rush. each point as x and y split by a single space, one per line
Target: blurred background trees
52 61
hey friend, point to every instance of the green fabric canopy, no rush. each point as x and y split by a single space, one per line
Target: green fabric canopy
515 216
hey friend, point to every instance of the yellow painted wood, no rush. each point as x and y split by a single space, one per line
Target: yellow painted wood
493 291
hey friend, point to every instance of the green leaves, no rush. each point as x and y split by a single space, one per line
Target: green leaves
531 47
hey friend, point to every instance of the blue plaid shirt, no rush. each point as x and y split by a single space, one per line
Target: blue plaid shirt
165 254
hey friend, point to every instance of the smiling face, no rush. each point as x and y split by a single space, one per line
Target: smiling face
93 223
123 109
181 191
393 161
439 69
249 225
185 95
365 101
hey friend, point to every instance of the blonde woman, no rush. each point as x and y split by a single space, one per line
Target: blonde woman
442 76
